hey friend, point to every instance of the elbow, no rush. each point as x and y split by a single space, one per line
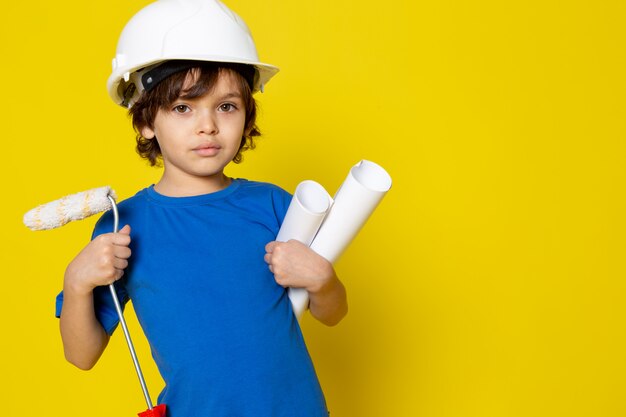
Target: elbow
83 357
83 352
85 367
83 364
331 323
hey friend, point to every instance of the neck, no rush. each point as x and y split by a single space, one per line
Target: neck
188 187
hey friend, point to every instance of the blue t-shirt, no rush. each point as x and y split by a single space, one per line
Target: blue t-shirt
221 331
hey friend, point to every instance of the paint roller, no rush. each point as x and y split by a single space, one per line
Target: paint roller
77 207
69 208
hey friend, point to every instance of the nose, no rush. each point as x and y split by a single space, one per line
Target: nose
206 123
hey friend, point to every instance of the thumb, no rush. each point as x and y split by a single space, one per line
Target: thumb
125 230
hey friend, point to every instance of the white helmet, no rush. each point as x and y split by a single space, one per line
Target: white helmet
198 30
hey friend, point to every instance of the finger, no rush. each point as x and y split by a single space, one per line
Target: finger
120 239
122 252
111 275
280 280
120 263
267 258
119 273
295 242
269 248
125 230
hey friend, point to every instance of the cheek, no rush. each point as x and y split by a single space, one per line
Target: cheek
245 130
237 130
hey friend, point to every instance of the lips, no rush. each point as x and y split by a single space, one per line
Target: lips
207 149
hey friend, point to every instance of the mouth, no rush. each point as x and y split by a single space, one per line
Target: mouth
207 149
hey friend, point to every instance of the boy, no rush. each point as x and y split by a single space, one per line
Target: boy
207 287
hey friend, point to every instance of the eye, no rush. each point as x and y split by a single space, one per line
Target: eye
227 107
181 108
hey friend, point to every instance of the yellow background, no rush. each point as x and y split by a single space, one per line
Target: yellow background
489 282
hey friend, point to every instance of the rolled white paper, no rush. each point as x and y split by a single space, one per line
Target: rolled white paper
355 201
305 214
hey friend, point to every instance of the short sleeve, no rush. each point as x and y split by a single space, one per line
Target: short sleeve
281 200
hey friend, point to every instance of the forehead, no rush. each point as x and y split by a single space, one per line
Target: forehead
223 80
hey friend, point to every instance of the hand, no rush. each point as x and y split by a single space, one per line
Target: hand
296 265
101 262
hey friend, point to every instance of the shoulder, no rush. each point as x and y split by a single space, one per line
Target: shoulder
264 194
259 186
262 189
127 208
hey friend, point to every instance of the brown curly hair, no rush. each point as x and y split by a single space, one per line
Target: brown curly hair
205 75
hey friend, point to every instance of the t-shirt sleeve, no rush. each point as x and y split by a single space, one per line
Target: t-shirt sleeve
281 200
104 306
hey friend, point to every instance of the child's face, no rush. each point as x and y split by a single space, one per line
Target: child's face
198 137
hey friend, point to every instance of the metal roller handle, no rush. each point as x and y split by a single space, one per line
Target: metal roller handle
120 314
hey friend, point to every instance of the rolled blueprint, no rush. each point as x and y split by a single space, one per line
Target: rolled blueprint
305 214
355 201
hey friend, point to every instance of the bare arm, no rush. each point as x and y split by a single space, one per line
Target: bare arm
296 265
84 339
329 303
101 262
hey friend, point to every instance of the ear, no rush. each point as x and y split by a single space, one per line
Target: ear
147 133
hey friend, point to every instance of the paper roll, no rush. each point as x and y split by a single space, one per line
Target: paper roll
355 201
305 214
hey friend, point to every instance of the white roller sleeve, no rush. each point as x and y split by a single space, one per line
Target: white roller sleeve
69 208
307 209
355 201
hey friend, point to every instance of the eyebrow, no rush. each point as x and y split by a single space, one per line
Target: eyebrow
231 95
226 96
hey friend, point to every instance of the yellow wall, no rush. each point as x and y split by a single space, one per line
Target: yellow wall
490 281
